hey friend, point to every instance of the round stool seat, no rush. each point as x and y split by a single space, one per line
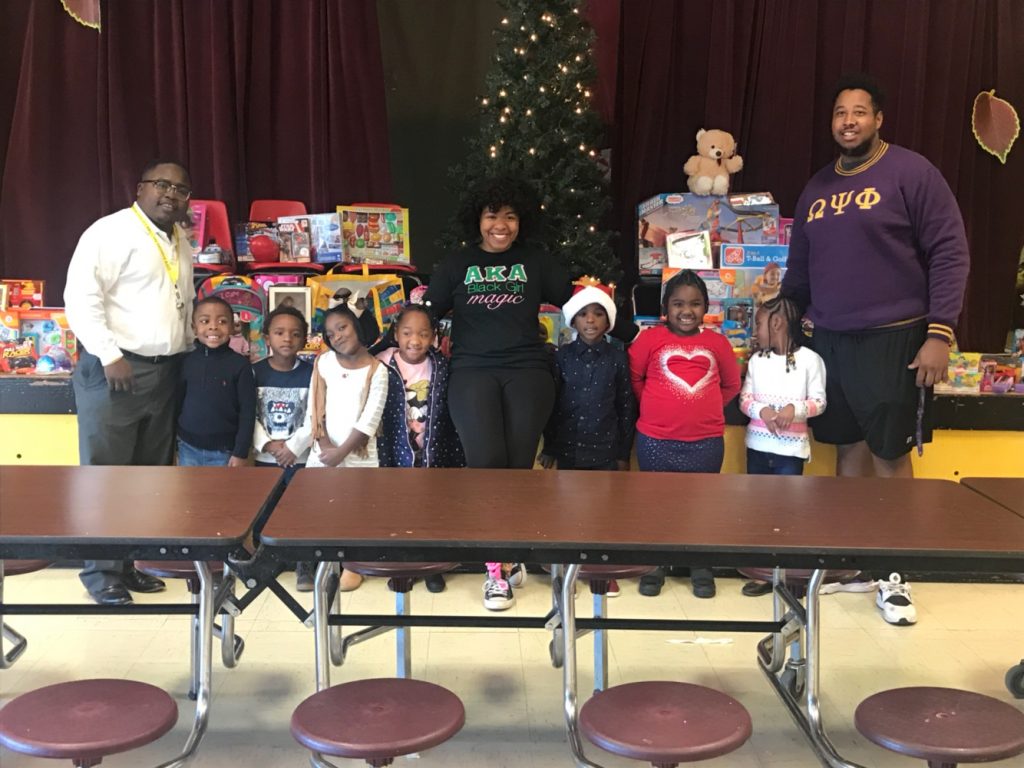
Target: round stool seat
395 570
665 722
86 720
174 569
943 725
797 575
376 720
18 567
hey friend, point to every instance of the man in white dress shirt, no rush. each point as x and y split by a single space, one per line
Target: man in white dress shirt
129 300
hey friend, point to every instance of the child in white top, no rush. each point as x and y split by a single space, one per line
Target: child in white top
785 386
346 396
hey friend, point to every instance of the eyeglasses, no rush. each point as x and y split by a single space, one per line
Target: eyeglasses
163 187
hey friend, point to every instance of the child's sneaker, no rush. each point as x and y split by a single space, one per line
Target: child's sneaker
613 589
303 577
894 601
516 574
498 595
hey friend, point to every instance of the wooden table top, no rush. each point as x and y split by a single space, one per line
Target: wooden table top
1007 491
75 512
566 516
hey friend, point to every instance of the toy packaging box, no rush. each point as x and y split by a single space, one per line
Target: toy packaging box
1000 374
37 340
324 235
555 330
733 255
666 214
24 294
374 234
964 373
196 228
293 237
689 250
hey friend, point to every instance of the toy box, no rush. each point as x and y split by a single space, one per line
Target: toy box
689 250
324 235
1000 374
374 234
294 241
665 214
37 340
733 255
195 228
785 230
555 330
760 285
963 371
267 279
24 294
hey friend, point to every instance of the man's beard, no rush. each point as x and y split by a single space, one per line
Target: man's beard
858 151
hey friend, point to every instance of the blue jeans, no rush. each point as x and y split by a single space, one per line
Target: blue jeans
190 456
761 463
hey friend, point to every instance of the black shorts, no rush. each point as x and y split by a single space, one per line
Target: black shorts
871 394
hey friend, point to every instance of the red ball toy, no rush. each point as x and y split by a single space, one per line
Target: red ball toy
264 248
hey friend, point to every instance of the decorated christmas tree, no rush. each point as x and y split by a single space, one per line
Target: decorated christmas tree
536 123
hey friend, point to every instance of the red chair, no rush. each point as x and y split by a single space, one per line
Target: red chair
269 210
218 228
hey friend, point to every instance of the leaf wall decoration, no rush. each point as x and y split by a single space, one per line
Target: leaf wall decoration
995 124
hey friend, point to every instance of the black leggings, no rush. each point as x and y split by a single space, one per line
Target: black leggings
500 413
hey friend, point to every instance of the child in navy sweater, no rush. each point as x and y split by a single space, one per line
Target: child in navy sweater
218 405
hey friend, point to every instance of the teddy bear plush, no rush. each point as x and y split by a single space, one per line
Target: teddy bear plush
708 171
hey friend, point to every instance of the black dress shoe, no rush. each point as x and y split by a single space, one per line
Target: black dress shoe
113 594
136 581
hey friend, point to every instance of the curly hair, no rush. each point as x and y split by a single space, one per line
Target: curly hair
493 195
859 81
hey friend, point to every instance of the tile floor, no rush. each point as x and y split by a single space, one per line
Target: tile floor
967 636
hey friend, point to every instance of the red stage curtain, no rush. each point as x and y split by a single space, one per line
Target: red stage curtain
764 70
260 99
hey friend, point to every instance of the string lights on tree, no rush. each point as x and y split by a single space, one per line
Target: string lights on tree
537 122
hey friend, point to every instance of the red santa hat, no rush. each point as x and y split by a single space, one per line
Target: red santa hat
590 291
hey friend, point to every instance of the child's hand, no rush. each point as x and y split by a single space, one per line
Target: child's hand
285 457
546 461
785 417
768 416
332 457
235 461
622 466
273 446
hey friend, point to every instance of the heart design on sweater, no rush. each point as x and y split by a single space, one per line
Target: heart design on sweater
693 354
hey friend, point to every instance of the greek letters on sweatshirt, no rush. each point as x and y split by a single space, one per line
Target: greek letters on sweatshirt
879 244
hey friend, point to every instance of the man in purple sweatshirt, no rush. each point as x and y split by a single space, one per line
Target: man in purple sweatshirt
879 259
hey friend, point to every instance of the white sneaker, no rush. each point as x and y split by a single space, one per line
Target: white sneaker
894 601
498 595
516 574
847 586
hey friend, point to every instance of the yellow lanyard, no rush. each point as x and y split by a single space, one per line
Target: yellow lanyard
172 267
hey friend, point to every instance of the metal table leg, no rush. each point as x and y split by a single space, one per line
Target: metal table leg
205 647
569 668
